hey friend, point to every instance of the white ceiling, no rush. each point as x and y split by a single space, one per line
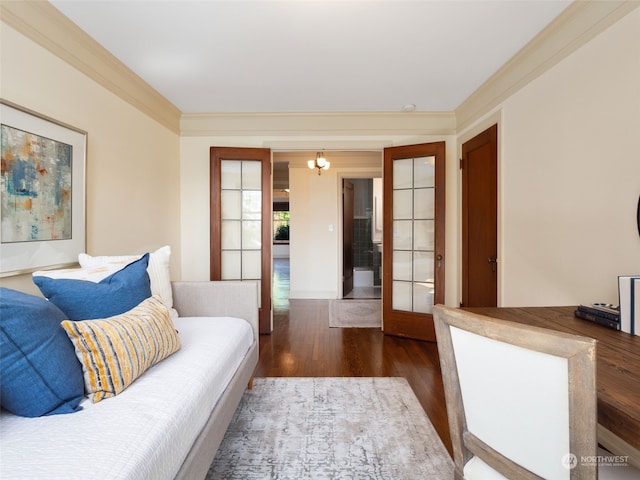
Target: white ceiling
213 56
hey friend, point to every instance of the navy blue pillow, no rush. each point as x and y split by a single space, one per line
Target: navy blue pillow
38 366
113 295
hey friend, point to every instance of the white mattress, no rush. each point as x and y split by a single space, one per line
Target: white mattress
147 430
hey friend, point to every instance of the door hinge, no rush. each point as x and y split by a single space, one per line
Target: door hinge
461 163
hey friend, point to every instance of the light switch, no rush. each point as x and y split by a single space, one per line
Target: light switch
331 227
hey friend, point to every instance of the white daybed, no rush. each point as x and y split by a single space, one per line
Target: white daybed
169 423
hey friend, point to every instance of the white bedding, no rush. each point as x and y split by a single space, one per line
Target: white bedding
147 430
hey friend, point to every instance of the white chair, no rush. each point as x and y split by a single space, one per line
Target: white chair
521 400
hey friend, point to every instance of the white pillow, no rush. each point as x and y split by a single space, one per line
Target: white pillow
158 271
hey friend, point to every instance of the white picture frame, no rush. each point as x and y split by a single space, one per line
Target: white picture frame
28 140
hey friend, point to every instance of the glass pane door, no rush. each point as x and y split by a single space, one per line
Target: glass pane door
413 238
241 219
413 234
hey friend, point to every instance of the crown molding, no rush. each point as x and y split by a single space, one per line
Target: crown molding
581 21
576 25
338 124
48 27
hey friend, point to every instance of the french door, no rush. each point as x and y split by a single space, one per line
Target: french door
413 240
241 220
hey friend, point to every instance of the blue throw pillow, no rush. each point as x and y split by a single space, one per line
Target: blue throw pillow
39 371
113 295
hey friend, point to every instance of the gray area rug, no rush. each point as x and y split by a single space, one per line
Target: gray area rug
331 428
355 313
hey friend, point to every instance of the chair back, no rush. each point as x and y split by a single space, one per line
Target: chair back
521 400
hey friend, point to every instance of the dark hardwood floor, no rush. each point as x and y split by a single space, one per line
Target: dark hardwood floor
303 345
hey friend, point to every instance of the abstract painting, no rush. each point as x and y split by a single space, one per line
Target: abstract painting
35 187
42 192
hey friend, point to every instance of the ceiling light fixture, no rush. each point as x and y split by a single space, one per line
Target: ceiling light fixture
320 163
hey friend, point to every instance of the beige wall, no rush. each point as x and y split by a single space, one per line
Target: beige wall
568 158
570 175
132 161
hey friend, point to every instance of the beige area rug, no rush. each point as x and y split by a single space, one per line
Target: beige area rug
355 313
331 428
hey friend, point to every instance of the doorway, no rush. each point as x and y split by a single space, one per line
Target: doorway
281 280
362 240
316 219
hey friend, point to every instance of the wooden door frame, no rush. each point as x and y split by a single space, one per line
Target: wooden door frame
394 317
264 156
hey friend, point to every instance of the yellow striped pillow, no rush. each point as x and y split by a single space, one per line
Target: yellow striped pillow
115 351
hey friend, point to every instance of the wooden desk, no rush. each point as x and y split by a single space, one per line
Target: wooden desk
617 363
